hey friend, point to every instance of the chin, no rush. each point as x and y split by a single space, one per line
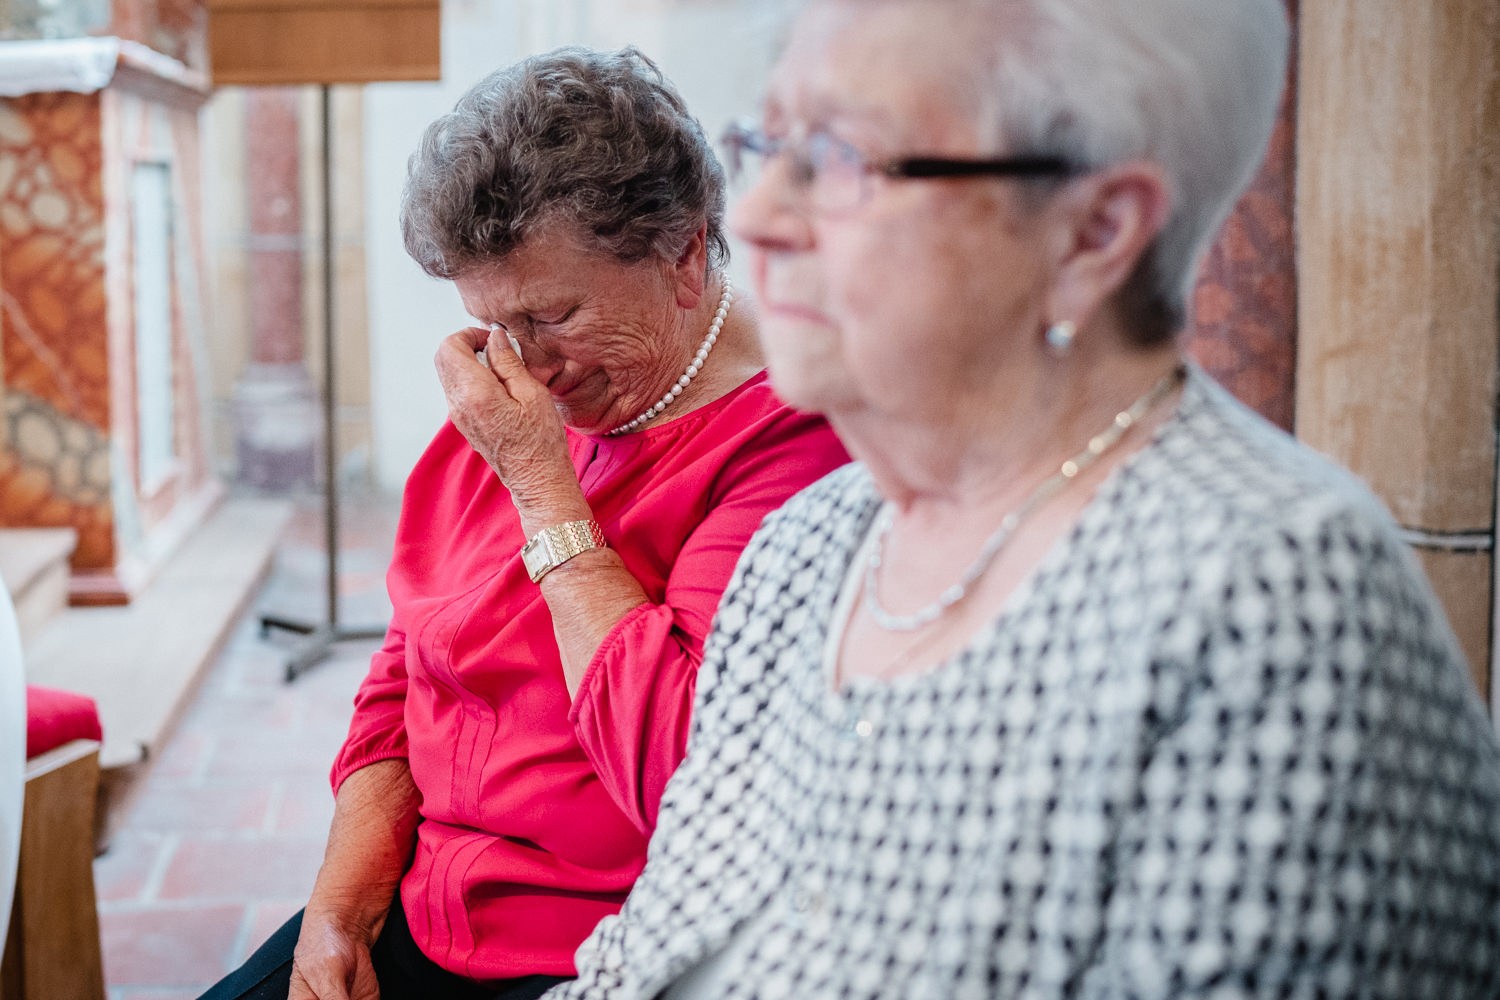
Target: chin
581 420
806 367
805 386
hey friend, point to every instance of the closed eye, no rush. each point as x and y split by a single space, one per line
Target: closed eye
556 321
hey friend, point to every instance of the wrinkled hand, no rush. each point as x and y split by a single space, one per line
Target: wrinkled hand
506 415
331 962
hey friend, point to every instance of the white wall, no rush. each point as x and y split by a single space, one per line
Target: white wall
716 52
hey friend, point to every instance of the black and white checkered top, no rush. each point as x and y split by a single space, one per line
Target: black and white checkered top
1221 744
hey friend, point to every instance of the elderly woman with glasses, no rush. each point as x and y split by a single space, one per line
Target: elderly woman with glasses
1083 681
562 547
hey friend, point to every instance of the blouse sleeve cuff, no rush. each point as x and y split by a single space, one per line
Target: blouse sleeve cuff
343 767
614 639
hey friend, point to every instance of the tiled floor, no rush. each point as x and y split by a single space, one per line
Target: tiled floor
219 841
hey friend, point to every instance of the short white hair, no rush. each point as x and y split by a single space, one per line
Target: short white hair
1192 85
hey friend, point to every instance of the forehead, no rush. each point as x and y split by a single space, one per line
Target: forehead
556 267
545 264
888 62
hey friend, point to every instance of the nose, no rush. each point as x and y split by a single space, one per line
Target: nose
767 216
541 363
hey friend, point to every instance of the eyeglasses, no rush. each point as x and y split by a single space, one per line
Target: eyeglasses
833 176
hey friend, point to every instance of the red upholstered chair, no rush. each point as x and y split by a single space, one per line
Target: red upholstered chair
52 950
54 718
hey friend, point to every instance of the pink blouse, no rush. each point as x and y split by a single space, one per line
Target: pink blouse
536 809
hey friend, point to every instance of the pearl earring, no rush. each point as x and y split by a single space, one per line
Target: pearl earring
1060 336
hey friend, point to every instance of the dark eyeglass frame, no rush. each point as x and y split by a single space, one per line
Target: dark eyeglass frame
745 135
922 167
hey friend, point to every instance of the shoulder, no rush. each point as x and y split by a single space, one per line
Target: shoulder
1229 462
1282 591
845 492
824 518
1227 514
788 573
751 404
448 465
1286 562
1219 482
747 428
763 424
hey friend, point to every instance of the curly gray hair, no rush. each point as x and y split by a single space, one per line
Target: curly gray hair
600 139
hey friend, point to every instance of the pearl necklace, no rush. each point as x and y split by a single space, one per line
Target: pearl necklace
725 301
1070 470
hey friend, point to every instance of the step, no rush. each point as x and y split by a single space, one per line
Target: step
34 566
141 661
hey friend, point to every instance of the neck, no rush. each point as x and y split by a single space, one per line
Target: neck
982 455
710 369
736 355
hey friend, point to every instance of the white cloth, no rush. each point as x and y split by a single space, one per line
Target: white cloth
1221 743
12 754
78 65
84 65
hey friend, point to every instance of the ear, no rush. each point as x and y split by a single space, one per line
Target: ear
1109 219
690 272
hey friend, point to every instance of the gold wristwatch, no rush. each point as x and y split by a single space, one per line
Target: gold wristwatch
551 547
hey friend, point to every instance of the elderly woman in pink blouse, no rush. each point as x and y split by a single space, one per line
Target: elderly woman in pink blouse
563 544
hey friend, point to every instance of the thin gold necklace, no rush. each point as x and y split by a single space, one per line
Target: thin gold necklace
1098 445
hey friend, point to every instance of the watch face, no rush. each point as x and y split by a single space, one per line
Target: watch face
551 547
536 556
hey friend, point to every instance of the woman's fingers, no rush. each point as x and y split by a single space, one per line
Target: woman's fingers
474 337
304 990
456 357
504 413
365 986
321 983
469 386
332 958
459 367
501 344
508 367
330 965
362 984
500 352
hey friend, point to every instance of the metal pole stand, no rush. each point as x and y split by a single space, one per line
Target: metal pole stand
321 636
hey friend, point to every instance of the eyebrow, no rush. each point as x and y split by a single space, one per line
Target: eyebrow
819 113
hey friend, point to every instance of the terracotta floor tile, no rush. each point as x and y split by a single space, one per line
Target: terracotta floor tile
185 755
132 862
304 807
269 709
250 869
222 806
153 993
219 842
187 947
262 754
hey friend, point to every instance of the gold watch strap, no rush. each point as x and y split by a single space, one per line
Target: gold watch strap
552 546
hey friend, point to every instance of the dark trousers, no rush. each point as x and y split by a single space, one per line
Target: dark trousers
403 971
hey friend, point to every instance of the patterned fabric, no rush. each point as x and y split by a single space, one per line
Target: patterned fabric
1222 743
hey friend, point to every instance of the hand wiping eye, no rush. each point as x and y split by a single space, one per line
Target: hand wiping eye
515 345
